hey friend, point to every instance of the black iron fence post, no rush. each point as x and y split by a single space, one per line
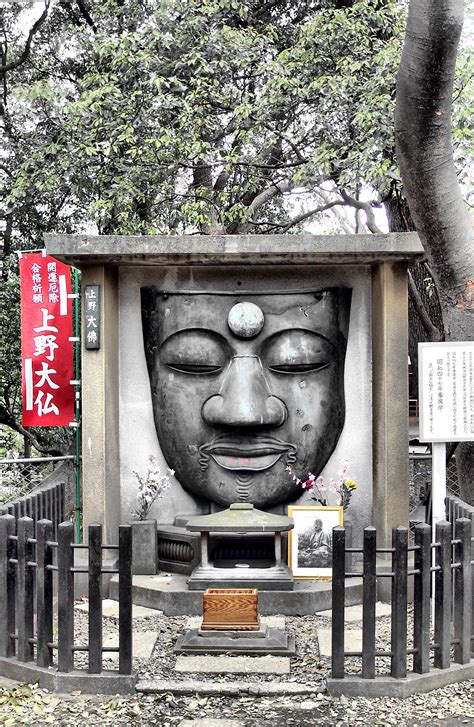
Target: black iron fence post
421 606
462 593
125 599
369 600
24 590
338 582
65 597
399 602
7 585
95 599
443 595
44 592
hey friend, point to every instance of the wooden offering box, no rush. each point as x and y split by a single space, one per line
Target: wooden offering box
230 609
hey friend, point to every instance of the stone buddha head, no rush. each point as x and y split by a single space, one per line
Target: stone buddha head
244 385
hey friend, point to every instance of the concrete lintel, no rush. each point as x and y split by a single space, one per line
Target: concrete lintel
84 250
105 683
385 686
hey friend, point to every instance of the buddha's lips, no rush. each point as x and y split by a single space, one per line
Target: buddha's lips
254 462
255 457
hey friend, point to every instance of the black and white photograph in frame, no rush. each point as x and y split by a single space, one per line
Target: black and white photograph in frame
310 542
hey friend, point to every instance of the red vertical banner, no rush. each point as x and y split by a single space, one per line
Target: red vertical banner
46 348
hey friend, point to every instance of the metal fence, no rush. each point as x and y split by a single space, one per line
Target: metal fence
47 503
452 596
29 566
19 476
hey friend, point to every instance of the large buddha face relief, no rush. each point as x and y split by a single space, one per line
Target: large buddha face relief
245 385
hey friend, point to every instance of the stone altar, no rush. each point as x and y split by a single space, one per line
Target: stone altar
241 522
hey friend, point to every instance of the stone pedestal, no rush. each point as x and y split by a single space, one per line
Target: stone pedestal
145 550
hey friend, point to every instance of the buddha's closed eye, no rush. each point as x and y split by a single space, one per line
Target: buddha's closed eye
297 351
195 351
201 351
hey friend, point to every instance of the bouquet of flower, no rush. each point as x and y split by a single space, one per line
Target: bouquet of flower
342 487
150 487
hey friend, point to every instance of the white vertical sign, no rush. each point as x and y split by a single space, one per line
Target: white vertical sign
446 391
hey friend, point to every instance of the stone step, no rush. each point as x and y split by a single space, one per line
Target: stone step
233 688
233 664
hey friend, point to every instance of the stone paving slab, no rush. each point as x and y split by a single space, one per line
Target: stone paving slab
143 643
354 613
234 688
110 609
352 641
233 664
273 622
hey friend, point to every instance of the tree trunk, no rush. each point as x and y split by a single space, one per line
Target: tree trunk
424 151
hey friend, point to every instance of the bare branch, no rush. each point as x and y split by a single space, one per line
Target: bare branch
306 215
27 49
366 207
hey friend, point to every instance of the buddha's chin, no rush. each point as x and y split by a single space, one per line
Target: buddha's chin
262 489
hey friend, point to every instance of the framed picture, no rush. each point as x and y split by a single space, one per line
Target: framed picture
310 542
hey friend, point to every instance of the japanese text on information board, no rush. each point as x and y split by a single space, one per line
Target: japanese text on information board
446 391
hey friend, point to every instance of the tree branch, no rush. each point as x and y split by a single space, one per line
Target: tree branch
86 15
306 215
433 333
424 146
366 207
27 49
7 418
267 194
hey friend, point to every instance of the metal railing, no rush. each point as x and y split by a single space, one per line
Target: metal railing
452 598
28 566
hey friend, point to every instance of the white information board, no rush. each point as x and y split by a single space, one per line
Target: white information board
446 391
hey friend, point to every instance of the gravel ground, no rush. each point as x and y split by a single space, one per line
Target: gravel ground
24 705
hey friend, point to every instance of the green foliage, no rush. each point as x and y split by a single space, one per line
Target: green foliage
176 116
173 116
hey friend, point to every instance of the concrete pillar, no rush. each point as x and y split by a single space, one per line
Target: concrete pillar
100 411
390 398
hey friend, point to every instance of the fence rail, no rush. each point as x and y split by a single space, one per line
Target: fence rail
29 567
449 559
47 503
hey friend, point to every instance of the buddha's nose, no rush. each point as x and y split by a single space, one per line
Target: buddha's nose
244 398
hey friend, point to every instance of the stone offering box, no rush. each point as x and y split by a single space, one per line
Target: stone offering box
305 336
